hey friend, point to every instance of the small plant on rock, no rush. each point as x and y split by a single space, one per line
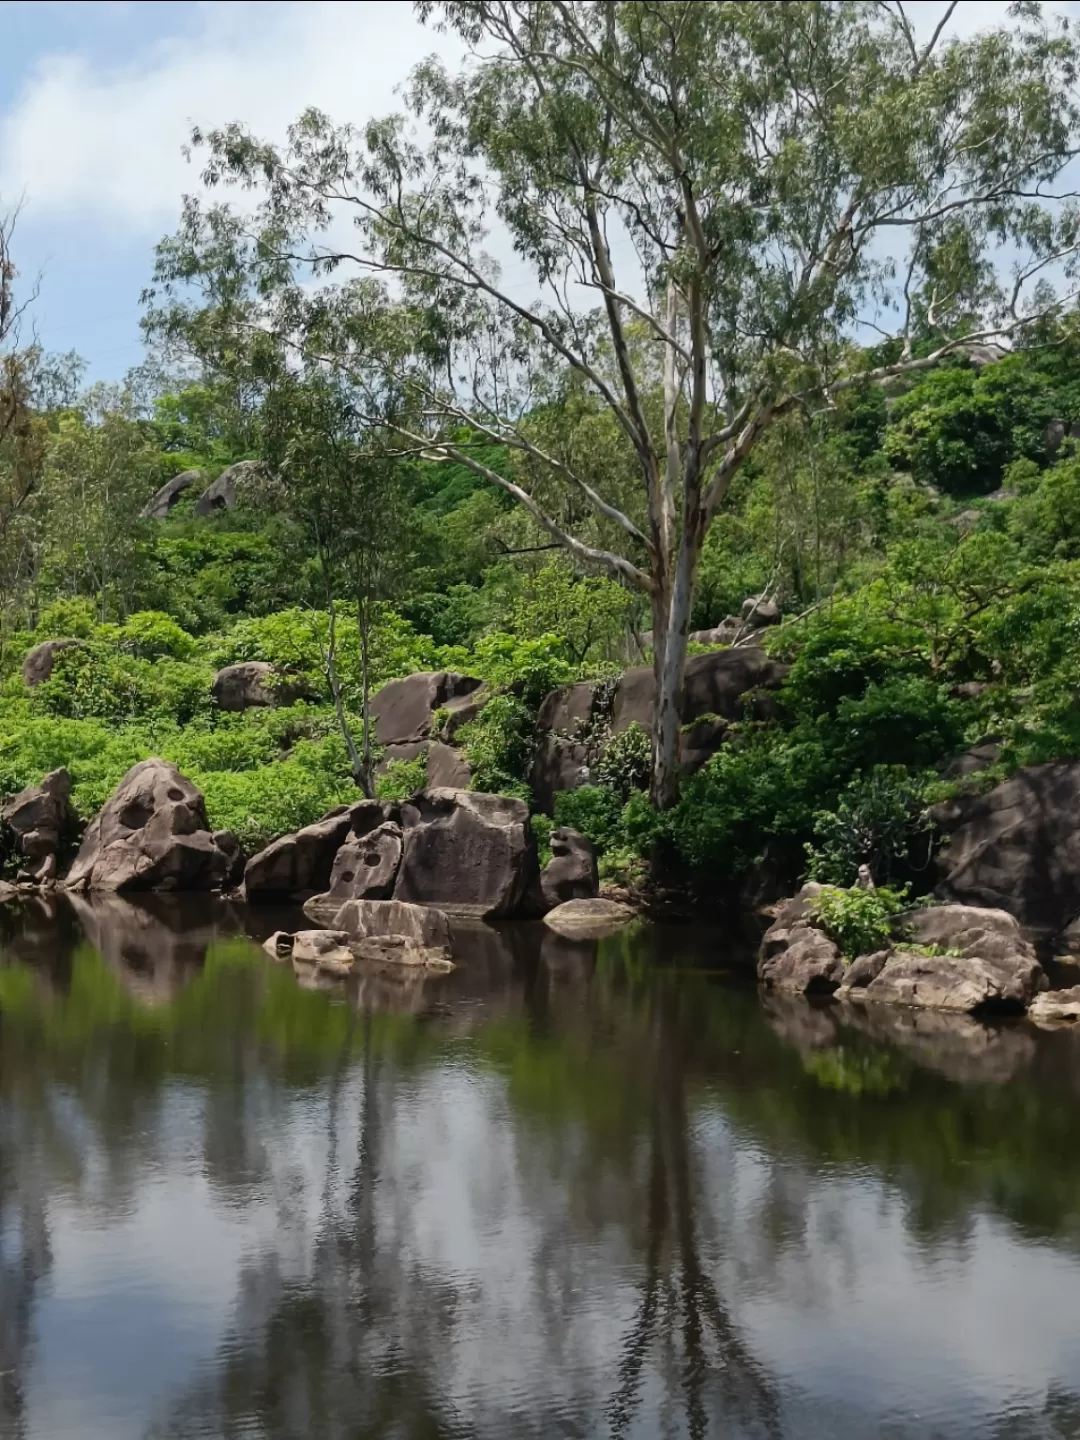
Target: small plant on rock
860 921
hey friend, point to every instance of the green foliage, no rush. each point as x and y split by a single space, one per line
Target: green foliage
597 812
880 821
528 668
626 762
860 921
260 804
499 746
402 779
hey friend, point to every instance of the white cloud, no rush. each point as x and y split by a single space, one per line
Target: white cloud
107 143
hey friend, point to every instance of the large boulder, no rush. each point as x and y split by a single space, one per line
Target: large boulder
227 490
1017 847
366 867
152 834
571 873
723 684
37 818
403 709
468 852
561 759
447 767
1056 1007
38 665
970 959
249 686
163 500
301 864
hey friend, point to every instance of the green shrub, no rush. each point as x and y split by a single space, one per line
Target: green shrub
596 811
499 745
626 763
530 669
859 921
259 805
879 821
150 635
402 779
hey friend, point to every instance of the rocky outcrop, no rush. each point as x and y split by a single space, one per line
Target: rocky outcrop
37 819
447 767
1056 1007
571 873
235 859
1017 848
588 919
575 722
796 955
227 490
467 852
403 709
253 684
301 864
985 965
152 834
392 932
38 665
163 500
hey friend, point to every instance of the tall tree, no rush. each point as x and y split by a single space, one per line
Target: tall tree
749 183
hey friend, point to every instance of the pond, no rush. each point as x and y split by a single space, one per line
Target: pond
566 1190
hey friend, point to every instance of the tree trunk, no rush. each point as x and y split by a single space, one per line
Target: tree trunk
365 698
671 626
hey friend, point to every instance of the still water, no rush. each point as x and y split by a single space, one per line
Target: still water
564 1191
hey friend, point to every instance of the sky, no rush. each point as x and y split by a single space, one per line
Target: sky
98 99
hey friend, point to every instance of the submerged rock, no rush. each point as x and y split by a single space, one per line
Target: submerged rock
152 834
589 919
393 932
1056 1007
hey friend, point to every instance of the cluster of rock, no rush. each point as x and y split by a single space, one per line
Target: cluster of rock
961 958
223 493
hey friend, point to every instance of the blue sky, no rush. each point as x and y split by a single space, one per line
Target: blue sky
97 99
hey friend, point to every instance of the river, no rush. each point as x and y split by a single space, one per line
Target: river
564 1191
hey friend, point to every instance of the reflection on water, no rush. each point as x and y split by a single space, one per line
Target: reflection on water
565 1190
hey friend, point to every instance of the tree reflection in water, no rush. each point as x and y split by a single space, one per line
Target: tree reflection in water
491 1203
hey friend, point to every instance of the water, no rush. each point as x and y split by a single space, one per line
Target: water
563 1191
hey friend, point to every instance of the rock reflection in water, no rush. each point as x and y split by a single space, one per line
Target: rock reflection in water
566 1189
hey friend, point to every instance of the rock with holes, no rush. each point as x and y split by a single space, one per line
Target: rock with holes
571 873
152 834
163 500
37 818
38 665
299 865
365 868
467 852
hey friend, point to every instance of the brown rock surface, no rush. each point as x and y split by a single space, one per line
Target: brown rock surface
467 852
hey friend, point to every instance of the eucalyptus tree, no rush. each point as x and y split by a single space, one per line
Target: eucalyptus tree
708 204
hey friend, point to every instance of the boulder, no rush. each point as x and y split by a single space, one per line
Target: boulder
1017 847
1056 1007
570 874
38 665
225 492
796 955
720 684
250 685
301 864
447 767
365 868
466 851
152 834
760 610
395 933
402 709
37 818
589 919
163 500
975 758
325 948
971 985
279 945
